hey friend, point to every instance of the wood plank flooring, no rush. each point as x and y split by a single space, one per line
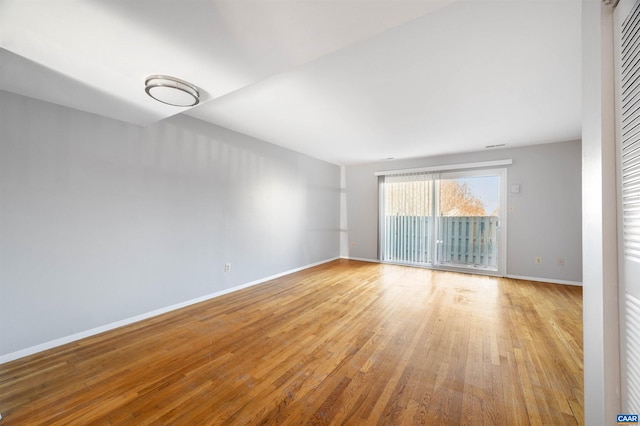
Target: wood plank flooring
343 343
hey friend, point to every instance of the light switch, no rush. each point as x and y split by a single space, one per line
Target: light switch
515 189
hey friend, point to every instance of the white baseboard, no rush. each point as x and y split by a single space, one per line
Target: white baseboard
545 280
361 259
87 333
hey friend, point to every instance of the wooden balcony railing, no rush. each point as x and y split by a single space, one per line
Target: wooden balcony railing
461 240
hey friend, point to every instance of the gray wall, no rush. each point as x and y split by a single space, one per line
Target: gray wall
102 220
546 216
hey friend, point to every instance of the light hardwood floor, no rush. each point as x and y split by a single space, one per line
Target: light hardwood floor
343 343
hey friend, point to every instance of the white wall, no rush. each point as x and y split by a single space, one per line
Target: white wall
600 294
102 221
546 216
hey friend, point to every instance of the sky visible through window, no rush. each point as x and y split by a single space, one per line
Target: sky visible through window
485 188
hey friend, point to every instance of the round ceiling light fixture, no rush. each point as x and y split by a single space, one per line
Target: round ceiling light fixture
171 91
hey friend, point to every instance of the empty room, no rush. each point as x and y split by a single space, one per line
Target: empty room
319 212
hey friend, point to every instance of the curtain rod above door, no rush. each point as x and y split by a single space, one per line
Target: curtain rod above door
463 166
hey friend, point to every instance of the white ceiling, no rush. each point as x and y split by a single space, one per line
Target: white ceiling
346 81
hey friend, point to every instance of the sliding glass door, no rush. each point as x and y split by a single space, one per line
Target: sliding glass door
468 220
451 220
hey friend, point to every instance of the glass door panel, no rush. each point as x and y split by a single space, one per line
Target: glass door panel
468 220
407 219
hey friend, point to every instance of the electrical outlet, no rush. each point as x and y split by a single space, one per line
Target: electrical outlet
227 267
353 244
561 261
538 260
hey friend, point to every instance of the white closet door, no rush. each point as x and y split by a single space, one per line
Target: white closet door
627 60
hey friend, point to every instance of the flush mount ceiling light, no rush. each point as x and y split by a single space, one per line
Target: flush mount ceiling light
172 91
